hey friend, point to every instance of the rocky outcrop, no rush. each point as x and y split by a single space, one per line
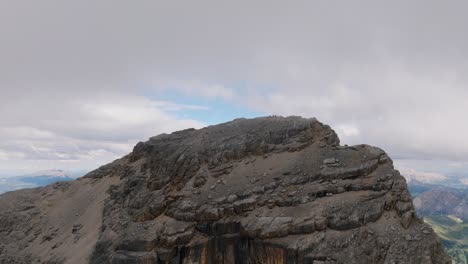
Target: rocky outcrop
265 190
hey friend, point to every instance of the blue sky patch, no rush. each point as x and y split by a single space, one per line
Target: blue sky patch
219 110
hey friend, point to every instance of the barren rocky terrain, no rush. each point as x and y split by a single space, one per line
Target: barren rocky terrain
264 190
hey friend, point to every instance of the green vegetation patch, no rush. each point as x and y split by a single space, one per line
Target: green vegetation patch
454 234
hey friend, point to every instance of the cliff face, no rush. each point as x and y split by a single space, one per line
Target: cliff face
265 190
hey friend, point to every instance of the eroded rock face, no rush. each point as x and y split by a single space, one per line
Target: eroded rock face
265 190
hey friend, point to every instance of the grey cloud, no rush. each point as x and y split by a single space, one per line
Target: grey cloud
389 73
83 132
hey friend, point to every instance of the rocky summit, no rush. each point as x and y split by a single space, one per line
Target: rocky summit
264 190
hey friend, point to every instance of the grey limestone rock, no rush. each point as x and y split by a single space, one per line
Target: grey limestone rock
263 190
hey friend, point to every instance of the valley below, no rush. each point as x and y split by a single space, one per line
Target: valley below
445 209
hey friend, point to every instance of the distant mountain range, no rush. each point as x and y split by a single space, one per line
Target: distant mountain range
430 180
36 179
45 177
443 202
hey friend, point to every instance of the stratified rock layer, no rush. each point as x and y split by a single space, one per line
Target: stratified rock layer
265 190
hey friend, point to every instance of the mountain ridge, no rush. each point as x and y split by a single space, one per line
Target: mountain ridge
264 190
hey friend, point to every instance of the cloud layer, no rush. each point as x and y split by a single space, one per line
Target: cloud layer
82 133
81 81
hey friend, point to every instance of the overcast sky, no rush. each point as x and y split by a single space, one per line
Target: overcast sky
82 81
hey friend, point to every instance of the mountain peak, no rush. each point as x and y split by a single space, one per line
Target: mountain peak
263 190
